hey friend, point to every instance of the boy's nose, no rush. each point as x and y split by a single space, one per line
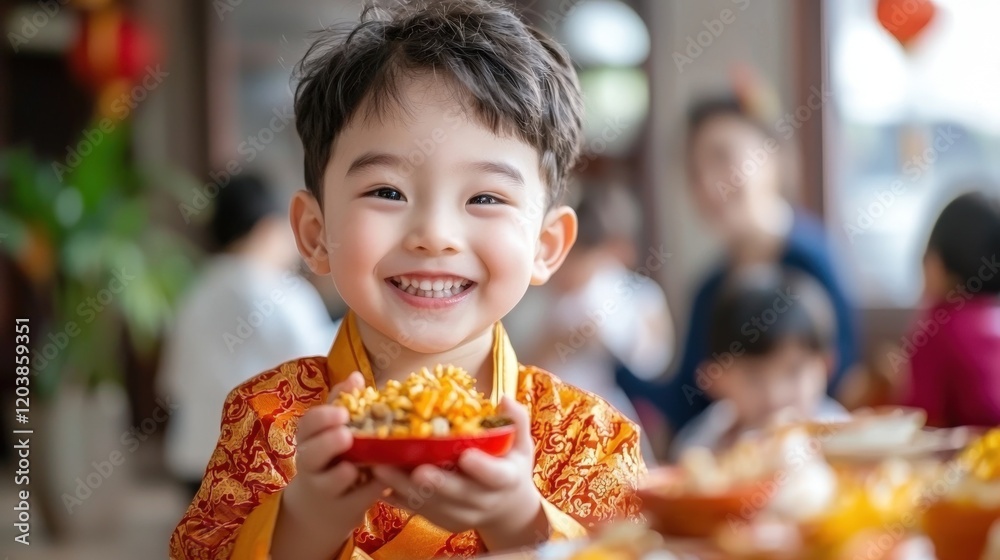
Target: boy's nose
433 234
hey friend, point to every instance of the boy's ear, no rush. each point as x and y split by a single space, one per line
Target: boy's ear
554 242
310 231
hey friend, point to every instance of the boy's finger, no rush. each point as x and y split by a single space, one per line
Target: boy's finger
395 500
447 484
338 479
393 478
514 410
492 472
426 481
316 453
353 381
435 512
361 498
318 419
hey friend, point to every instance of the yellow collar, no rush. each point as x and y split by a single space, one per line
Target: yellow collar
348 355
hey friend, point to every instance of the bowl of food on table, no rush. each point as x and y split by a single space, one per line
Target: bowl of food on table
876 434
963 521
705 491
430 417
776 497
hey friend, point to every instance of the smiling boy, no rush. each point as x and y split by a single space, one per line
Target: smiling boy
438 138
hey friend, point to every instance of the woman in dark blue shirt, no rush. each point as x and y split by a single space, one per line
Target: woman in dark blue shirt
736 168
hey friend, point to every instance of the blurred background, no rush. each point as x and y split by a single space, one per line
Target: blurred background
121 122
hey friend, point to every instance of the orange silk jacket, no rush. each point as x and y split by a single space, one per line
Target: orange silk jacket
587 461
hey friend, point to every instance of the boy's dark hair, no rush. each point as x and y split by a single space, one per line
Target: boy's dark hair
762 308
241 204
518 81
966 232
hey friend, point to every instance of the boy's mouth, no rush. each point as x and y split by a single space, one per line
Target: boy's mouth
437 287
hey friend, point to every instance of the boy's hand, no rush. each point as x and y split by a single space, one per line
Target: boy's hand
496 496
322 505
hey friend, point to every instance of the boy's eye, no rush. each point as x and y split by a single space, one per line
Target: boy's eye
484 199
387 193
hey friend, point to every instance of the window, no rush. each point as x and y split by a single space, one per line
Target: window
907 130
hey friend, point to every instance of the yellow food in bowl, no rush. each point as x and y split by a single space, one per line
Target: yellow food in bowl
429 403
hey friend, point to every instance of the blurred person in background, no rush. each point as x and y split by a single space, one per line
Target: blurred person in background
778 373
248 311
737 172
598 313
953 349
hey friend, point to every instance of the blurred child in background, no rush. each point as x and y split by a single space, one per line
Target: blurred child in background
248 311
771 339
598 312
954 348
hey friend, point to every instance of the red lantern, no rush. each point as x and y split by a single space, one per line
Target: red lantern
110 47
905 19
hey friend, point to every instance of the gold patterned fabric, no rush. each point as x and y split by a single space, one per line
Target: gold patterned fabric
587 461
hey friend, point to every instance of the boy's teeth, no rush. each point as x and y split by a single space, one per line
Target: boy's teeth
431 288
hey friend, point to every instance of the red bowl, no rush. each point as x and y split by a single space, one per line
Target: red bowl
695 515
441 451
959 531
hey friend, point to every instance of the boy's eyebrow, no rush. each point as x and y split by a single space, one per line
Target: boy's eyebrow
505 170
382 159
374 159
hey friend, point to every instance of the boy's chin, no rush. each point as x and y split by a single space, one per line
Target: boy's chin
432 340
435 346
